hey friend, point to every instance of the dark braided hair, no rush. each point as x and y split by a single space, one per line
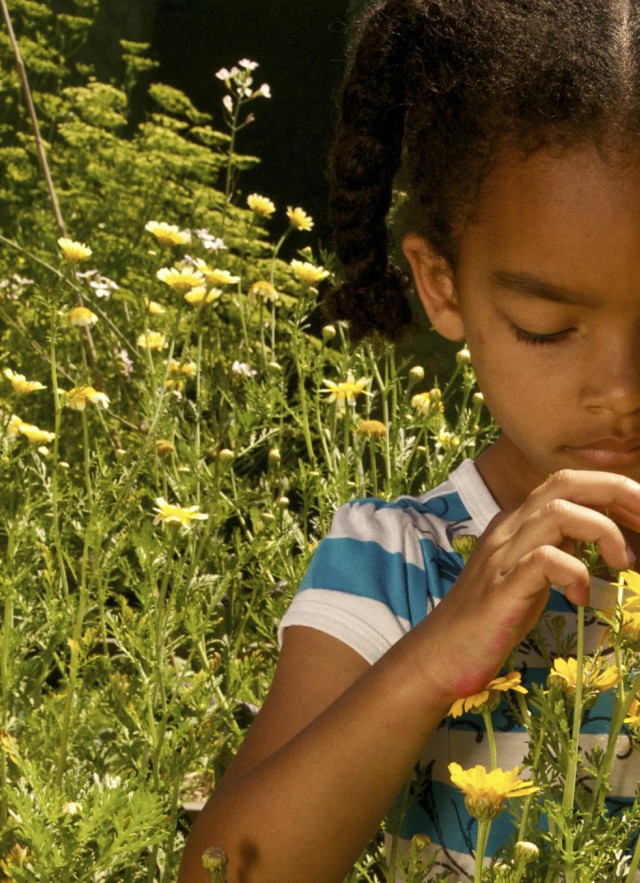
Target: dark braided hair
438 86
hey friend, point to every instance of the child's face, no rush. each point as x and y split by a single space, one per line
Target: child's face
547 292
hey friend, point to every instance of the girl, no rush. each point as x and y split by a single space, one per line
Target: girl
517 123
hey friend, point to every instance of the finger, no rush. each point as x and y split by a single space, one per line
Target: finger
558 521
548 565
615 495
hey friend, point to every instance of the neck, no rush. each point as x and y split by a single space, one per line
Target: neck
507 475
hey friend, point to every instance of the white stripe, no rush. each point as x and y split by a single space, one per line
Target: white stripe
368 626
390 528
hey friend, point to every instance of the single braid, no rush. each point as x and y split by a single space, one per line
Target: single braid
365 160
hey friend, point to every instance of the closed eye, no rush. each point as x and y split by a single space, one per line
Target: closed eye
534 338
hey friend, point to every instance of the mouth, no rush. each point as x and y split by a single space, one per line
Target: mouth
608 452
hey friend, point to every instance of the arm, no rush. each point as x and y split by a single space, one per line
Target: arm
337 738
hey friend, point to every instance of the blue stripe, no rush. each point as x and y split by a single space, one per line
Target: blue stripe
447 507
365 569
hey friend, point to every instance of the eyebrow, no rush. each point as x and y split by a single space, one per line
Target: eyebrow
533 286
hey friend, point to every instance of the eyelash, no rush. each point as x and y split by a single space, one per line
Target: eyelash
534 339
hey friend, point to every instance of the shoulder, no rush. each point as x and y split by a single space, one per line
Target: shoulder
436 515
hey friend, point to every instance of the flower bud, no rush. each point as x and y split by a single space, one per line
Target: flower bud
420 842
215 859
464 546
164 447
282 502
463 356
416 373
274 455
328 333
478 399
526 851
226 455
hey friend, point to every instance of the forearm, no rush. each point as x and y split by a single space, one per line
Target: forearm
309 810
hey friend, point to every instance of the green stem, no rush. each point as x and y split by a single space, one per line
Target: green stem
397 817
572 766
5 663
484 826
635 861
74 661
374 467
491 738
42 155
534 766
568 798
55 470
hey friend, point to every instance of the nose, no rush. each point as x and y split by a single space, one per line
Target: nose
613 383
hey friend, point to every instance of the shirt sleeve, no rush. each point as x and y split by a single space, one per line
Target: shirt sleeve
366 584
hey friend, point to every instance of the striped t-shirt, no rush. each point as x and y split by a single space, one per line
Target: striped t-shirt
381 569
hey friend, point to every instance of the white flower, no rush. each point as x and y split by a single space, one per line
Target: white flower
248 65
242 369
209 241
228 103
264 91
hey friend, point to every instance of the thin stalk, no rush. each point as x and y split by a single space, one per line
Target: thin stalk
5 663
374 467
491 738
55 456
484 826
42 154
522 829
198 404
74 661
635 861
390 875
385 418
568 798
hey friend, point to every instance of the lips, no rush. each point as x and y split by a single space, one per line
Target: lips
609 452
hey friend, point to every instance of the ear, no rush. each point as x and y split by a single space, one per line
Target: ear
433 278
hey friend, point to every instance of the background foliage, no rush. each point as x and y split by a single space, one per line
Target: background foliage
135 648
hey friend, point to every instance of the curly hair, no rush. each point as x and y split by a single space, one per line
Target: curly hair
437 86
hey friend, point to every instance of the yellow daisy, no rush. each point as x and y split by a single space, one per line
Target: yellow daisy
34 434
200 295
307 273
372 429
78 398
426 403
166 513
81 317
633 714
486 792
345 393
215 276
260 205
154 308
167 234
490 696
263 290
180 280
152 340
20 384
75 252
597 676
299 219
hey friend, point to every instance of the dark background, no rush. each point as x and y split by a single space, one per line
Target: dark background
301 50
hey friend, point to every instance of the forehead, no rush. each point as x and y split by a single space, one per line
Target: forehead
572 213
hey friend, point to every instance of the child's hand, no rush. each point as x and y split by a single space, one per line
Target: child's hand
504 588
